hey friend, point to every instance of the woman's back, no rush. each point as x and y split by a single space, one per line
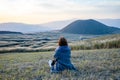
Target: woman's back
63 54
62 57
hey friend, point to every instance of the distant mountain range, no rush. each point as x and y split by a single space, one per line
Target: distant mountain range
61 24
21 27
56 25
89 26
9 32
110 22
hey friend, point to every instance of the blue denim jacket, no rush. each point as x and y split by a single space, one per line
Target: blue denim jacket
63 55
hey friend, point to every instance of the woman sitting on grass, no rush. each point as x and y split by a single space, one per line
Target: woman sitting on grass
61 57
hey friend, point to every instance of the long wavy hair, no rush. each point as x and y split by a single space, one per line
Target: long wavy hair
62 42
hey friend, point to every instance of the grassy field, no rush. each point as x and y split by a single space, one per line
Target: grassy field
48 42
101 64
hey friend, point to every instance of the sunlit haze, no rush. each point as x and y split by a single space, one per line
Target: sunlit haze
42 11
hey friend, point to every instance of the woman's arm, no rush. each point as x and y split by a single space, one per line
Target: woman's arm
56 56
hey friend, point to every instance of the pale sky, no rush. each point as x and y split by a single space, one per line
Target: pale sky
42 11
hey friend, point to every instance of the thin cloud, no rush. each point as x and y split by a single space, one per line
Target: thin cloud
57 9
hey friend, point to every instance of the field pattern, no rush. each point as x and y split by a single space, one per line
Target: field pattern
101 64
47 41
44 41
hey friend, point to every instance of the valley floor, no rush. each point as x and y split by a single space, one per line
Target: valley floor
103 64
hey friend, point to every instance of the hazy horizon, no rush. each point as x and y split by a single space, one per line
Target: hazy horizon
61 20
43 11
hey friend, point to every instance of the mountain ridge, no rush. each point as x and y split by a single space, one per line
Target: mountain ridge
110 22
50 26
62 23
57 25
89 26
10 32
22 27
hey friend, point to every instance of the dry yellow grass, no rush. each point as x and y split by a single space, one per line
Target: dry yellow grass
93 65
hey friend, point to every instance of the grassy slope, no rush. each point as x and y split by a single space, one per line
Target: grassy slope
103 42
39 42
93 64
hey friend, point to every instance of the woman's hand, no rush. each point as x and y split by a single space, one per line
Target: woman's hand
53 62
